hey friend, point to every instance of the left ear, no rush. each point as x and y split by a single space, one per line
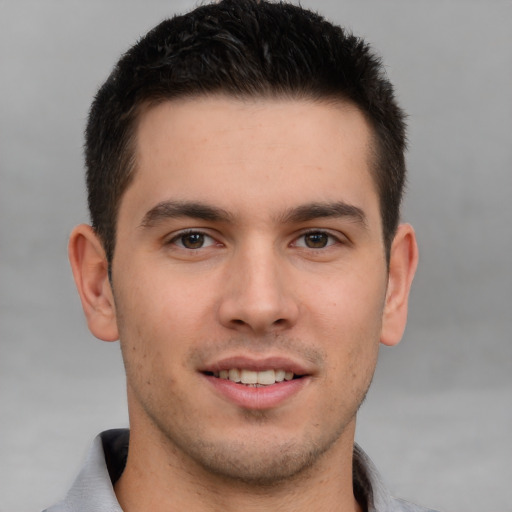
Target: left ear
402 267
90 270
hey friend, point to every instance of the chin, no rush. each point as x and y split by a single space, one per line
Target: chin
262 459
264 468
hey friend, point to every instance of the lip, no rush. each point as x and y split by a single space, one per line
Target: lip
258 364
257 398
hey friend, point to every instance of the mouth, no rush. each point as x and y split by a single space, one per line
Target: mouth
257 383
254 378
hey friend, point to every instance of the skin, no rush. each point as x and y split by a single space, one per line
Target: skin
253 271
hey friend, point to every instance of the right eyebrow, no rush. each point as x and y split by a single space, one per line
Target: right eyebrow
313 211
176 209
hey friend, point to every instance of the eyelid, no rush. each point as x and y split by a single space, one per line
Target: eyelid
338 238
173 239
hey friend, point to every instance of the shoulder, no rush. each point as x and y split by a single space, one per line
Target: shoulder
370 490
92 490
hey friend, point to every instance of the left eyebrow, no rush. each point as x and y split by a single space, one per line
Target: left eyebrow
178 209
314 211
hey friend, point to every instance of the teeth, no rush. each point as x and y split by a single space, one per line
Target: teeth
264 378
249 377
234 375
267 377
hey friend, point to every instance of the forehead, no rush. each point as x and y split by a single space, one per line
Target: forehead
271 150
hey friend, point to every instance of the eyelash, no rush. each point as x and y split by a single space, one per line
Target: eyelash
183 234
331 239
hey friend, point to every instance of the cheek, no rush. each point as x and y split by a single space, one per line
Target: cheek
159 320
352 305
158 298
350 321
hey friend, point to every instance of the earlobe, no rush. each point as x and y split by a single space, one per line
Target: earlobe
90 271
402 267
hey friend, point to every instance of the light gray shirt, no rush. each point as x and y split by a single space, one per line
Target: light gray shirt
93 489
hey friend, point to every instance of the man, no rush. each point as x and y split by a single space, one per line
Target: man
245 165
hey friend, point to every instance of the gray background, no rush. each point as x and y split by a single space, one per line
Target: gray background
438 421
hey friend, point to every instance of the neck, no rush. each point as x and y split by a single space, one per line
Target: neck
158 478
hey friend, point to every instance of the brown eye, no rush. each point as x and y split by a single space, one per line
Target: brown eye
316 240
193 240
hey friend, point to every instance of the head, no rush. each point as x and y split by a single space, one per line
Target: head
245 167
242 49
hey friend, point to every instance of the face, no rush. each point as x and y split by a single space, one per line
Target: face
250 249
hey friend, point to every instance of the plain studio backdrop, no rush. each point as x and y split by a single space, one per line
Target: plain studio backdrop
438 420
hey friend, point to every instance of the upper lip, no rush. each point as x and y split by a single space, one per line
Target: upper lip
258 364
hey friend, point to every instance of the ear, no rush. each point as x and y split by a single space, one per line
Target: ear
90 270
402 267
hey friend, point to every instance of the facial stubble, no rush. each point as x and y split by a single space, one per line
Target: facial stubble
262 463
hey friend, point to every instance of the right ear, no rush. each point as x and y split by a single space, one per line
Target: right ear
90 270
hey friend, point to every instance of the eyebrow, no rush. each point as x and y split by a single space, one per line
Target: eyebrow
176 209
201 211
314 211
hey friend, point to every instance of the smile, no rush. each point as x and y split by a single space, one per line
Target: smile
257 383
255 378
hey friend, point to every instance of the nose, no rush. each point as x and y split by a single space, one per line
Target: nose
257 294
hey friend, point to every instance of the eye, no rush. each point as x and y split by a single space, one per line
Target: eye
316 240
192 240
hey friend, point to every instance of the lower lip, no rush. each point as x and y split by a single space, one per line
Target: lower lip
257 398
